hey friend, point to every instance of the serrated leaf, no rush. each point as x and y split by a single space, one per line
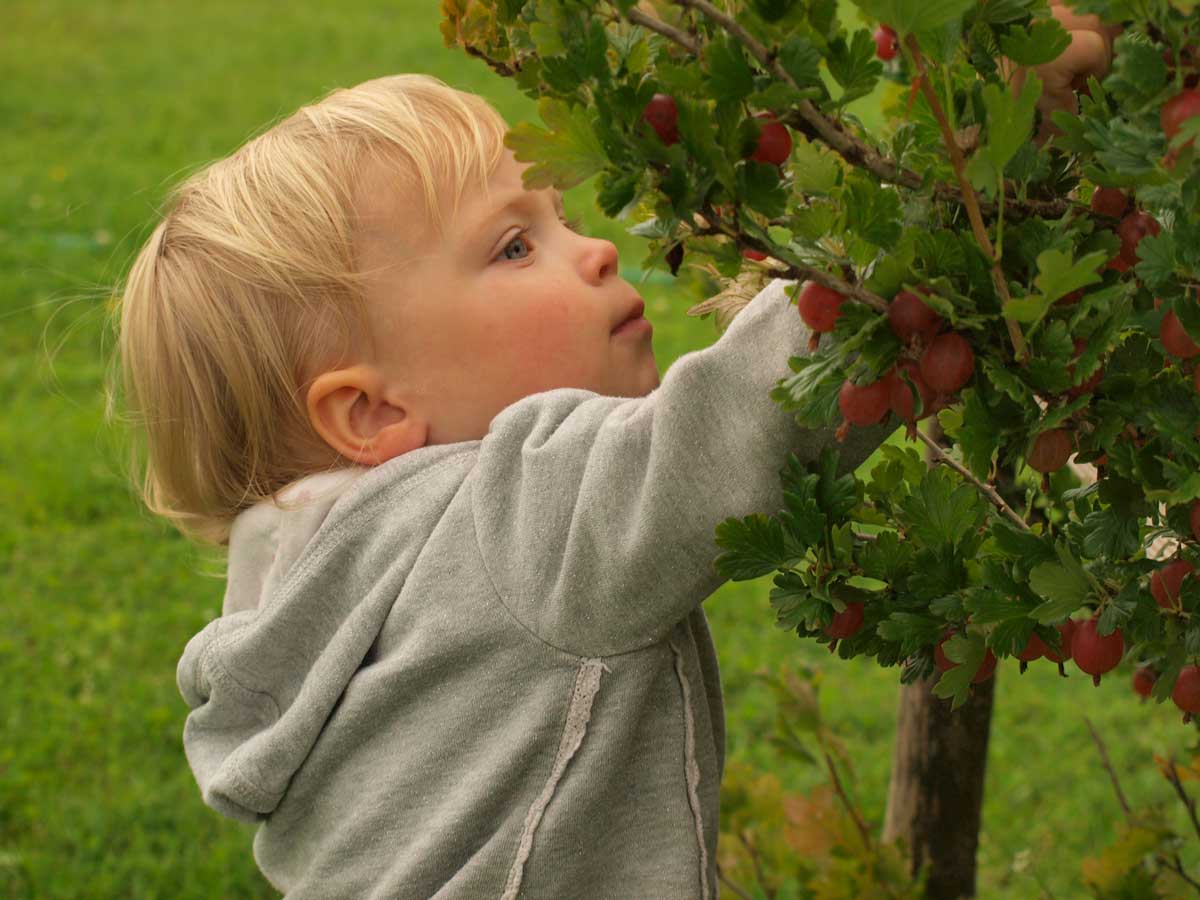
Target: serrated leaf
1156 259
802 61
1109 534
1009 126
1063 585
729 74
564 156
911 631
940 511
978 436
1138 71
754 546
795 604
905 16
872 211
836 496
955 684
1044 40
853 66
814 171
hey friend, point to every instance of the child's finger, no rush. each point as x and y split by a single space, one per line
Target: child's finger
1088 55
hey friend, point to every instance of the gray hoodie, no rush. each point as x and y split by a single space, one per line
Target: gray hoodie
481 670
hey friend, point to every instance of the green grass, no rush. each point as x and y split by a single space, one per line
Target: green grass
105 106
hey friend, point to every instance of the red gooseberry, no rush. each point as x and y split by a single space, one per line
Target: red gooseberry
1050 451
1143 682
947 363
986 668
1186 692
1183 106
1132 229
819 307
864 405
1109 202
886 45
910 318
1166 582
1093 652
901 395
846 623
1174 339
663 116
774 141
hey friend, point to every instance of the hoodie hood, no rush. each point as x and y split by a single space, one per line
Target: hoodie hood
311 580
268 538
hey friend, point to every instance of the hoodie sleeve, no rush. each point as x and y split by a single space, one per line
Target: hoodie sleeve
596 516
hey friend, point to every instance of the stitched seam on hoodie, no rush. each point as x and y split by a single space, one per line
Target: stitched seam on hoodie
587 683
692 768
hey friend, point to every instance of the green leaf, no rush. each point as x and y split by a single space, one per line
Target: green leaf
1109 534
566 155
836 496
968 651
759 187
755 546
912 631
1156 255
814 171
1139 72
854 66
905 16
942 510
1063 585
1009 126
1057 277
1044 40
872 211
729 74
795 604
886 558
978 436
802 61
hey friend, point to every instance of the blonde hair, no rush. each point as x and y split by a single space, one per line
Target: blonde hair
248 286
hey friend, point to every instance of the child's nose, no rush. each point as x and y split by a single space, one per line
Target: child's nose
600 260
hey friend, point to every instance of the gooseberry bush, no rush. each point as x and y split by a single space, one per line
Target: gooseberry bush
1031 284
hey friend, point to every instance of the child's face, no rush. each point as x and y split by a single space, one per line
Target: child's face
510 304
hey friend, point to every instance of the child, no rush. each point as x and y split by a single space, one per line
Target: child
462 652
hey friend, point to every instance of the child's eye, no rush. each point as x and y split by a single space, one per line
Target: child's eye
519 241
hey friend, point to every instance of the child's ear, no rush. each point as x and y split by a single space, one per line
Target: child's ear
354 413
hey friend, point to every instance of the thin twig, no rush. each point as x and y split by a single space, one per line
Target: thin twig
799 271
754 858
1108 768
1176 866
1173 777
637 17
986 489
970 200
841 792
733 886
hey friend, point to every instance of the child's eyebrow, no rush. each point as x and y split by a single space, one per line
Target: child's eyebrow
518 201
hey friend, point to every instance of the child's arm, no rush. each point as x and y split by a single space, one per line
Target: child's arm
595 515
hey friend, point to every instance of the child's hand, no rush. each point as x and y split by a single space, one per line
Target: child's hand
1090 54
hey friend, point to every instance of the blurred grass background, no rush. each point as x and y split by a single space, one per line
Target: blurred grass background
105 105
